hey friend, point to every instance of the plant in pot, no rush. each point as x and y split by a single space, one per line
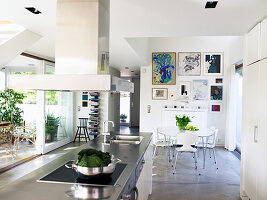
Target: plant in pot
123 117
51 127
182 121
9 111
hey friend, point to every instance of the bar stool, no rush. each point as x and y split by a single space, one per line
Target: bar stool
83 126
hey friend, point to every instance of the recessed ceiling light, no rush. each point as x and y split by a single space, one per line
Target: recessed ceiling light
33 10
126 67
132 71
211 4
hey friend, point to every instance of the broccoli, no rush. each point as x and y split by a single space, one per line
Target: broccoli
93 158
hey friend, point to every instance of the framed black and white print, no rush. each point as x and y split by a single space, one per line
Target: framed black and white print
213 64
189 63
184 88
159 93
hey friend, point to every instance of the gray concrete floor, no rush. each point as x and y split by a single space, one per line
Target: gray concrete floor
186 184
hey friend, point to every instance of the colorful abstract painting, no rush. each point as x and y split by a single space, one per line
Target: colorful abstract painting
213 64
164 68
189 64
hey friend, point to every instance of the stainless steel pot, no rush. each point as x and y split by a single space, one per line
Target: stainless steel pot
87 172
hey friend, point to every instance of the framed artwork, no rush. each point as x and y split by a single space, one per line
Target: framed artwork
213 64
85 97
189 64
215 107
84 103
218 80
200 90
184 88
216 92
164 68
159 93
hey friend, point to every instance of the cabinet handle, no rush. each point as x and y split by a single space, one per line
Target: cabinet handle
255 134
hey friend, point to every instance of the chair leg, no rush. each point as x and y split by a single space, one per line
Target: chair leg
76 134
210 152
195 160
174 167
213 150
87 134
155 150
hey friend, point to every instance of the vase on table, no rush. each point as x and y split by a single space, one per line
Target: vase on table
181 129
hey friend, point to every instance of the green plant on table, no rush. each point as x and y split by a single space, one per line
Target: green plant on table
182 121
9 110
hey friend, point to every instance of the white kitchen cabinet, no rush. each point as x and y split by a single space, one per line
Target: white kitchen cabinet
261 136
264 39
253 44
144 183
254 138
250 123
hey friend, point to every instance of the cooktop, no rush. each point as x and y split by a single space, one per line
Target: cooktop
69 176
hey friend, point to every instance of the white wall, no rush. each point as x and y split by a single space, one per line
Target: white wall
232 49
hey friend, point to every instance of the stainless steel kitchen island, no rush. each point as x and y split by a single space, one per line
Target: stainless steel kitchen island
27 187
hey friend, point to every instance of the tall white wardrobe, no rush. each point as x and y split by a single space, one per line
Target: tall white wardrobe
254 137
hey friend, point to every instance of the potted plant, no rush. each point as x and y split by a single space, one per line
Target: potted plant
123 117
182 121
51 127
9 111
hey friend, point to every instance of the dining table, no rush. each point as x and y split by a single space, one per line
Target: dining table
170 134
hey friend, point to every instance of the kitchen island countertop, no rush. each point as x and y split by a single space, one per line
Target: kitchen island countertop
27 187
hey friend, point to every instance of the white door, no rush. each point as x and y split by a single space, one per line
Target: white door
262 133
251 113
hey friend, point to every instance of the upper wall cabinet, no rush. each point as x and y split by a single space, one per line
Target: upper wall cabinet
253 44
264 39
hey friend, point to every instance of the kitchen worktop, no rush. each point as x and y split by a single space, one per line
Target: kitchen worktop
27 187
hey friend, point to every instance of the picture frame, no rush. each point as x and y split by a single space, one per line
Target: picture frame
84 104
213 63
159 93
215 107
200 89
184 89
219 80
216 92
164 68
189 63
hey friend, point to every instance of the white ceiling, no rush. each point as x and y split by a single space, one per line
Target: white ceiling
134 19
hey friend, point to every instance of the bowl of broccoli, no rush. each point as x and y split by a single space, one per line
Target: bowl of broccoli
92 162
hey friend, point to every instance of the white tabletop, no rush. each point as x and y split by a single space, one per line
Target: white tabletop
173 131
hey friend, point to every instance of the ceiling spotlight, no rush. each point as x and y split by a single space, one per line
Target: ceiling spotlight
211 4
126 67
33 10
132 71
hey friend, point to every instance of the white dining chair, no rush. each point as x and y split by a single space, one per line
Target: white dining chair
159 139
210 143
187 140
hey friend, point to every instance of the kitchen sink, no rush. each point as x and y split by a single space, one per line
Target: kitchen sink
127 139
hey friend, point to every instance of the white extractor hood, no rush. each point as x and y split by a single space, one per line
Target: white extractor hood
81 57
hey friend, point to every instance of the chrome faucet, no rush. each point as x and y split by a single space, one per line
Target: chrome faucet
105 132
